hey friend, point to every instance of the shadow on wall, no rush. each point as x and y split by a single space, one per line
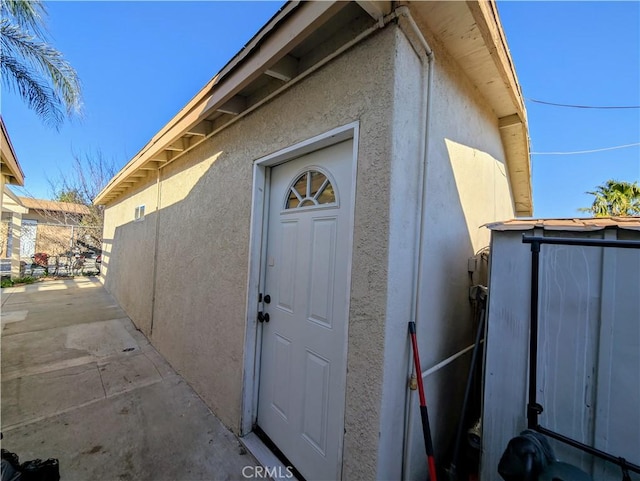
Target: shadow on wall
483 189
465 190
180 272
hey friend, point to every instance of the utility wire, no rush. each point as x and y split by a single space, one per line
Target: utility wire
584 106
586 151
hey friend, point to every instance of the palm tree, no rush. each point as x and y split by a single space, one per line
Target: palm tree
33 68
615 198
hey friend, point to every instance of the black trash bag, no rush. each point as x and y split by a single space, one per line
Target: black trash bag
38 470
10 472
10 466
35 470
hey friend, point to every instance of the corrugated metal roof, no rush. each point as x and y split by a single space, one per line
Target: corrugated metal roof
52 205
586 224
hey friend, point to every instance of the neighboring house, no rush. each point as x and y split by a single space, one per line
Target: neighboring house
40 225
11 174
50 226
334 176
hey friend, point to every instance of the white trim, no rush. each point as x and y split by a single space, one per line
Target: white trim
266 458
138 214
318 142
253 331
259 221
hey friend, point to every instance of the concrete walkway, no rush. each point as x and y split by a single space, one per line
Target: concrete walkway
81 384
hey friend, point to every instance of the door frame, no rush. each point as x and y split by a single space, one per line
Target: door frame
257 248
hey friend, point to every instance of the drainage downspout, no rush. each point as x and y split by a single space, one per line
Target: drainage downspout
426 53
155 253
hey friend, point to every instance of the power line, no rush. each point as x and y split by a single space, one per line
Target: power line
584 106
586 151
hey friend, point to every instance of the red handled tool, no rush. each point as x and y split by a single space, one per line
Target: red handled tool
426 430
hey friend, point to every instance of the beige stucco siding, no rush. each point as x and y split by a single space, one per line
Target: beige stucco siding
198 311
466 187
128 254
205 199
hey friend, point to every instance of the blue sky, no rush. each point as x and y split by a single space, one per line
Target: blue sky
140 62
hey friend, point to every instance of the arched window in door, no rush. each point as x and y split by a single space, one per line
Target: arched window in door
311 188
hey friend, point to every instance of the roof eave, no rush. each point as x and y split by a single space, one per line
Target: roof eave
473 37
514 129
11 202
10 166
292 24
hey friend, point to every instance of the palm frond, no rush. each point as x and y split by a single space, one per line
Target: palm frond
38 95
27 14
615 198
44 59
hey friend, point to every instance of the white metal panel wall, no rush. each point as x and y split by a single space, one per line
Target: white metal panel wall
617 422
570 292
588 349
507 337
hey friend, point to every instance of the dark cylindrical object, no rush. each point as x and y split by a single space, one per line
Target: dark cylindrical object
424 414
532 414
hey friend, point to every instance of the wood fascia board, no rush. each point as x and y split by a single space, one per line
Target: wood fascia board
486 18
206 90
516 145
197 99
8 156
296 26
306 20
513 128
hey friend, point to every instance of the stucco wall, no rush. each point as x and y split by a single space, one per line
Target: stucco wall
404 207
203 237
467 186
128 254
200 278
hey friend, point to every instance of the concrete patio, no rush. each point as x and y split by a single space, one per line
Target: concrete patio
81 384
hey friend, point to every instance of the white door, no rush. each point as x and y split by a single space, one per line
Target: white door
28 238
303 360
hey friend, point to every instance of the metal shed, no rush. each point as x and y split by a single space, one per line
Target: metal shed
586 354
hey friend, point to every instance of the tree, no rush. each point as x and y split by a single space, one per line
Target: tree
615 198
33 68
81 184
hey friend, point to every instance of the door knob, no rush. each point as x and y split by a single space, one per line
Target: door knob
263 316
